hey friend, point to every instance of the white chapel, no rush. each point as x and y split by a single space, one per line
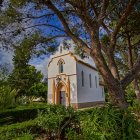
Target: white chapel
73 81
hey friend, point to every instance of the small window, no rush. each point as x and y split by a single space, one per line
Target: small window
90 80
82 74
61 69
60 64
60 49
102 92
96 81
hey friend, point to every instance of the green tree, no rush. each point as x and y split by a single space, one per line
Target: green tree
129 43
24 76
39 90
4 73
84 22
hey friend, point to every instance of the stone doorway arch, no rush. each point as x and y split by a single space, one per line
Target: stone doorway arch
62 93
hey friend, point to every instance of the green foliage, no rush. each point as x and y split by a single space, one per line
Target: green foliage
102 123
8 16
23 79
7 96
4 74
105 40
18 3
130 94
135 108
108 122
39 90
58 122
79 52
72 135
25 50
22 100
25 136
55 120
24 76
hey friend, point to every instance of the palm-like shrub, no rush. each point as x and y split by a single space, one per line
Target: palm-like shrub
110 123
55 120
7 96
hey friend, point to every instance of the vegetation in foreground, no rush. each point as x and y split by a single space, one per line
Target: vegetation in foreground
106 30
57 122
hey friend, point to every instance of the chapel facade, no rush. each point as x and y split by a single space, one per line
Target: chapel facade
73 81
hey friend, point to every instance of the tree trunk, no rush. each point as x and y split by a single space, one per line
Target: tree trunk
130 56
118 96
113 67
130 64
113 85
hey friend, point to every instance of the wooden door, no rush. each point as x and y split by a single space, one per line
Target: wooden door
62 98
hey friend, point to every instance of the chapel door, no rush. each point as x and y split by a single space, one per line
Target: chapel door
62 98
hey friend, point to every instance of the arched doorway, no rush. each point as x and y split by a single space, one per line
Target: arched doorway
61 93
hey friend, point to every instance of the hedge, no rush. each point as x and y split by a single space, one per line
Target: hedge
20 114
8 132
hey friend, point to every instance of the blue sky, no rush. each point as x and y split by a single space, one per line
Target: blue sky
39 63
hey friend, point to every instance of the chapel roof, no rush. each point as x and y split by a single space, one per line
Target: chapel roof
62 50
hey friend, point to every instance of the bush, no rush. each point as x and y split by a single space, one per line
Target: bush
109 123
56 119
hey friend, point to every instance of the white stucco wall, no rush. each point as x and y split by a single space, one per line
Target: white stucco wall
69 71
73 69
85 93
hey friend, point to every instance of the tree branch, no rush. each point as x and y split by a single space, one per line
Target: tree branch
37 25
44 39
77 40
133 73
29 16
100 17
102 14
45 24
124 16
93 7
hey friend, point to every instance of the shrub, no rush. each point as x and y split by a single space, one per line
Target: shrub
109 123
7 96
56 119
